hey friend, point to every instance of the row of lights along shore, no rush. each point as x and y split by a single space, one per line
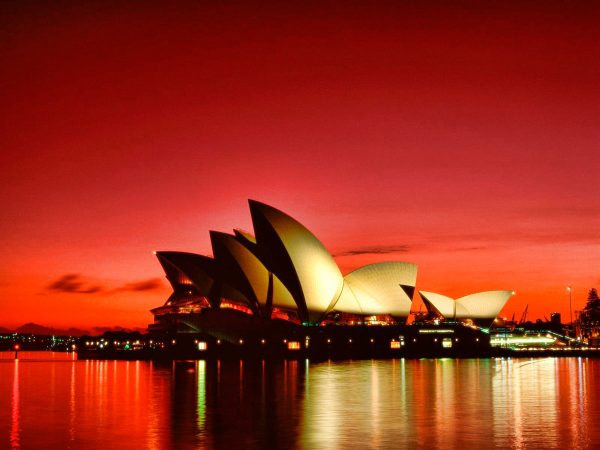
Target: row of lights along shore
291 344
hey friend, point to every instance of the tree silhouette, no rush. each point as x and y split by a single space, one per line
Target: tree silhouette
592 306
590 316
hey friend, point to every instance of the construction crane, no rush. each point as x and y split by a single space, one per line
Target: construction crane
524 315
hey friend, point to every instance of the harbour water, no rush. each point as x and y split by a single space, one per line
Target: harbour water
52 401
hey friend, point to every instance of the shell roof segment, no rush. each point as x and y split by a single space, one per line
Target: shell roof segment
481 305
301 261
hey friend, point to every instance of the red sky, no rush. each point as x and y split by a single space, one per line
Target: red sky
464 138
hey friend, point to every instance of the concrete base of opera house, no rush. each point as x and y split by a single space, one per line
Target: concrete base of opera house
279 339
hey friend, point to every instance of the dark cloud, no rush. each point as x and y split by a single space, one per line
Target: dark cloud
376 250
74 283
143 285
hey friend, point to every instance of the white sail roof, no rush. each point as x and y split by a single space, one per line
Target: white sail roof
379 288
481 305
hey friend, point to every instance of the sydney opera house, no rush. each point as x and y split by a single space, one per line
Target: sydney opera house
282 279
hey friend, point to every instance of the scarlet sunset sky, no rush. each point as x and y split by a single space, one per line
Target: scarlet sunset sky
464 138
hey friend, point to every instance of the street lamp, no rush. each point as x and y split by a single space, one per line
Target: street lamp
570 289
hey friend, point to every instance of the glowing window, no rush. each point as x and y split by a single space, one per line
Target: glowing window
235 306
395 344
182 279
447 343
293 345
202 346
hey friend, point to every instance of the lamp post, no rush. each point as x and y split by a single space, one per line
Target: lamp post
570 289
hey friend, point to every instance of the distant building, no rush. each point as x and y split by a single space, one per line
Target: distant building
555 319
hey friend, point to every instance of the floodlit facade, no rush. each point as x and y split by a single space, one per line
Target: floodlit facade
283 271
481 308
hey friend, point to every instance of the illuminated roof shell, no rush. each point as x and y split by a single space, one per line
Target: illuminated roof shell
188 268
299 259
203 273
241 268
482 305
380 288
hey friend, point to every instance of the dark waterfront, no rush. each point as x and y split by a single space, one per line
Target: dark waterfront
51 401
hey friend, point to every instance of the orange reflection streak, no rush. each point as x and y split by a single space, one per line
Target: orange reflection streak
137 381
438 395
575 396
15 428
449 393
423 388
157 402
72 408
152 438
581 380
375 405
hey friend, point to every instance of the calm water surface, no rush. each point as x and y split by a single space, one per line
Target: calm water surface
440 403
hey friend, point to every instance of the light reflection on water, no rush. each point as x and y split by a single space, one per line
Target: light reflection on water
433 403
15 413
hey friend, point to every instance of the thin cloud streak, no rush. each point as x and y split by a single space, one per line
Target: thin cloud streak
469 249
376 250
150 284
